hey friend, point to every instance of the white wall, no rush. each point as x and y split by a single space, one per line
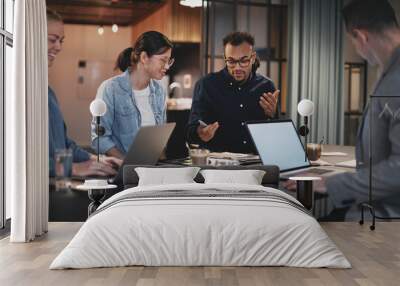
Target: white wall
82 42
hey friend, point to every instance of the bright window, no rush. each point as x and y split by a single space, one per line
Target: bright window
6 45
9 63
9 15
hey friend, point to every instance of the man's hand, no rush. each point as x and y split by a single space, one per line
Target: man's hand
268 103
207 133
92 167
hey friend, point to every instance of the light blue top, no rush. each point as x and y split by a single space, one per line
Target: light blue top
122 120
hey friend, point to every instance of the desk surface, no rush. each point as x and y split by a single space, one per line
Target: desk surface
72 205
349 150
321 205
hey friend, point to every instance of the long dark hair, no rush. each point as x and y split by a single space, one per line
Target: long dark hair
124 60
151 42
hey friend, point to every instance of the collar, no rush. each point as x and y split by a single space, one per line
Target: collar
125 82
394 59
231 81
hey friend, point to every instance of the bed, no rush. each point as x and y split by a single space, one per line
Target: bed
197 224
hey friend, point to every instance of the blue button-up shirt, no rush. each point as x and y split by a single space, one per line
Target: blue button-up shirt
122 120
219 97
58 138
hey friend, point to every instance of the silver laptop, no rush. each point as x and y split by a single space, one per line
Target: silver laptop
278 143
146 148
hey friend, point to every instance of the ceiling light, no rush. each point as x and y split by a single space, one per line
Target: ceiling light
100 30
114 28
192 3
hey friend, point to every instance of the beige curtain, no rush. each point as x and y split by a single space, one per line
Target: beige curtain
27 124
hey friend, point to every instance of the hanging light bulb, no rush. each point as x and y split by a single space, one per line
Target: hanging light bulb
192 3
114 28
100 30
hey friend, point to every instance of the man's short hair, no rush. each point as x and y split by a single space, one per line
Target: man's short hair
238 38
371 15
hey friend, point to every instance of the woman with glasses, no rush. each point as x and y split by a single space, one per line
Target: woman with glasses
134 98
225 100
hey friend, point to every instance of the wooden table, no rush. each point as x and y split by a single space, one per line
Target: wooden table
321 205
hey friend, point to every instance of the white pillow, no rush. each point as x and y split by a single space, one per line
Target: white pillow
248 177
165 176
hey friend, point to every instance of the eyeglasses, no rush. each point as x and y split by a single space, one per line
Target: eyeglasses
243 62
168 62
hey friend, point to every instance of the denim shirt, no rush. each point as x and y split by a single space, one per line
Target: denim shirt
122 120
58 138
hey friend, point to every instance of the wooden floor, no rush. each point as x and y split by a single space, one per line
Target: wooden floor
375 257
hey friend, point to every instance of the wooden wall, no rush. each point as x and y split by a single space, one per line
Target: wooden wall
83 43
177 22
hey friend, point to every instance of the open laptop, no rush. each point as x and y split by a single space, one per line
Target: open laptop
278 143
146 148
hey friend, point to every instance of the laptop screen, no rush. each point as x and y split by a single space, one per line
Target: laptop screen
278 143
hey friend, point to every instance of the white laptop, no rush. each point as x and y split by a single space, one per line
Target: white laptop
278 143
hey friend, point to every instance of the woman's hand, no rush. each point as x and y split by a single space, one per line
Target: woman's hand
114 152
92 167
111 161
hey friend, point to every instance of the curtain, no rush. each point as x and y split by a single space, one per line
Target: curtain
27 121
316 66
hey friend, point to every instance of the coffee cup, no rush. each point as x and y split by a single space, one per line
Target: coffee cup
314 151
199 156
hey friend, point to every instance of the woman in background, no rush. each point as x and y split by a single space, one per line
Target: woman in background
84 163
134 98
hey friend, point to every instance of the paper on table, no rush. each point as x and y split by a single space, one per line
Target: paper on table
348 164
333 154
320 162
230 155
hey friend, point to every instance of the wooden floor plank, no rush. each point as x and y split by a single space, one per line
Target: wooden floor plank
374 255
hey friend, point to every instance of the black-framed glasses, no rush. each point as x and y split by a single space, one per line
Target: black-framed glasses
243 62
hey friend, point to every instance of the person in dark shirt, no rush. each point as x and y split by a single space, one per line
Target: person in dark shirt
84 163
225 100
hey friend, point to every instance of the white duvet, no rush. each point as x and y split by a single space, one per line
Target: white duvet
190 231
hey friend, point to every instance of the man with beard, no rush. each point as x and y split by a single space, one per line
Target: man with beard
225 100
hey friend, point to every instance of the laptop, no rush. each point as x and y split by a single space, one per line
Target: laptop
145 149
278 143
